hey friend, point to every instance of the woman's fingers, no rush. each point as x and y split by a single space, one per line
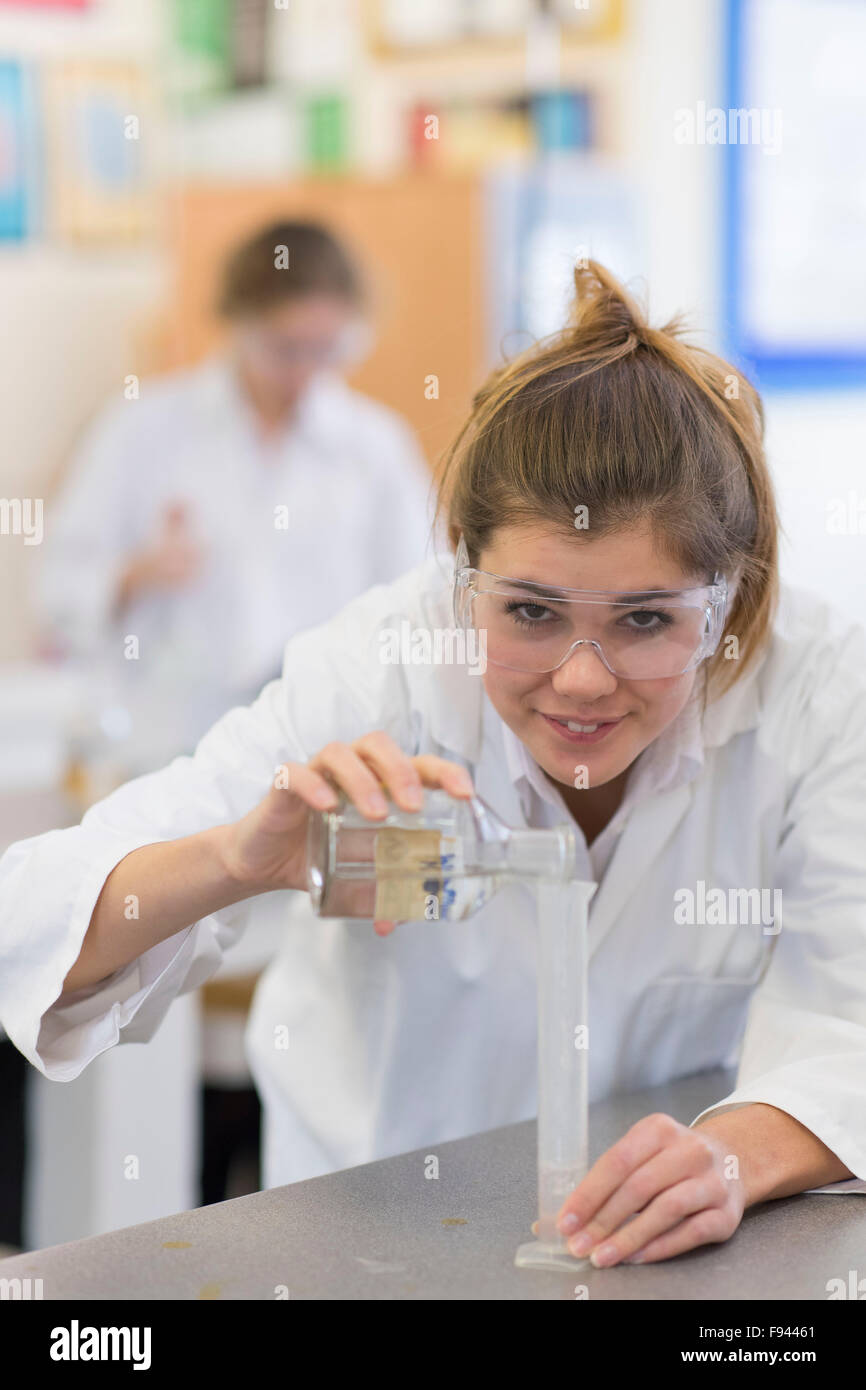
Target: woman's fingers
403 776
673 1164
375 764
352 774
683 1216
639 1144
439 772
705 1227
383 928
395 769
306 783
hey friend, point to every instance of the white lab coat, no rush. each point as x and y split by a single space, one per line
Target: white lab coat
356 492
428 1035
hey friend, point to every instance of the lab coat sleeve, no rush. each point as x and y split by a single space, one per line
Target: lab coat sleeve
804 1048
87 533
49 884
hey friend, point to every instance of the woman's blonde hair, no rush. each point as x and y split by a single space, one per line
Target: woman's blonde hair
639 427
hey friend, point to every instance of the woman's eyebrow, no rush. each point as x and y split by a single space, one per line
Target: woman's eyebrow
637 596
643 594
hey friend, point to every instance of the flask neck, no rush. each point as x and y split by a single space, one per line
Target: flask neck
542 854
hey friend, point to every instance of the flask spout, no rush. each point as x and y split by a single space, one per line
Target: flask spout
546 855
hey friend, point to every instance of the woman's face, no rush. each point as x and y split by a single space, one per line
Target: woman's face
630 713
283 348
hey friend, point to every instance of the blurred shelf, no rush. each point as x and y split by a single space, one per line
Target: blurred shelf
604 24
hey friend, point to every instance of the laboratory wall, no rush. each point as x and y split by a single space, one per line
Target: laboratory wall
667 55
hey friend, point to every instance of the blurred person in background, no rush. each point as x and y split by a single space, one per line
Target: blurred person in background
232 504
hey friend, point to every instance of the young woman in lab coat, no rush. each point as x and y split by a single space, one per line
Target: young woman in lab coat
211 496
742 767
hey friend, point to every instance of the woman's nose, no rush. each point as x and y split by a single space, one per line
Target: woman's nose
583 674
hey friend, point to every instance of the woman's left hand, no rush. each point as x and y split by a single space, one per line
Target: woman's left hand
659 1190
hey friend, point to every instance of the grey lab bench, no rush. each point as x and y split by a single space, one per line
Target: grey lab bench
386 1231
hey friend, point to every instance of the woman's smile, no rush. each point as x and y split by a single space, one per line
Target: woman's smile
581 730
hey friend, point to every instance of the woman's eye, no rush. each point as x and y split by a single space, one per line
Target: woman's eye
532 611
529 613
647 620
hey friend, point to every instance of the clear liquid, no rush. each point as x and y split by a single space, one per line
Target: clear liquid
353 890
417 876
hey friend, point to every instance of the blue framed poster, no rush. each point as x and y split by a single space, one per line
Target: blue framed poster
539 219
795 192
17 154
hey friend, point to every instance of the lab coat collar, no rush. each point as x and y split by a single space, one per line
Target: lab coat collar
322 410
319 415
224 402
456 710
737 710
219 386
453 697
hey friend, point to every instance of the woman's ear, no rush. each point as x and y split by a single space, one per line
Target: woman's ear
733 581
461 555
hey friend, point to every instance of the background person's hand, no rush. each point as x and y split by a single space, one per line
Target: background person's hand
171 560
268 845
659 1190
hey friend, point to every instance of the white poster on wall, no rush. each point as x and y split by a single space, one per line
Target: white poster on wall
802 213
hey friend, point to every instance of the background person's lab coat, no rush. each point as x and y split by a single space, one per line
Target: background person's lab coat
400 1043
350 476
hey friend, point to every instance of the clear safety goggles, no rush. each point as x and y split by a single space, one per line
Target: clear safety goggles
289 350
639 636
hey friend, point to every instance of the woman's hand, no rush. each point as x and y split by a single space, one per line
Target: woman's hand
172 559
267 848
671 1180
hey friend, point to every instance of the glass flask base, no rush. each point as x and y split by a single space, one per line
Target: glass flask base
540 1254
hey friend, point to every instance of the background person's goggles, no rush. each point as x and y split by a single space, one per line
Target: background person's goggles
638 636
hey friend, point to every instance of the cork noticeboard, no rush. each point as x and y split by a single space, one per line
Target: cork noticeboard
419 240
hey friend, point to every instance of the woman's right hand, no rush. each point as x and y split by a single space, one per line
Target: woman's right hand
267 847
171 560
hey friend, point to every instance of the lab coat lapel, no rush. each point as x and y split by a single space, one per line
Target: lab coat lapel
643 839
